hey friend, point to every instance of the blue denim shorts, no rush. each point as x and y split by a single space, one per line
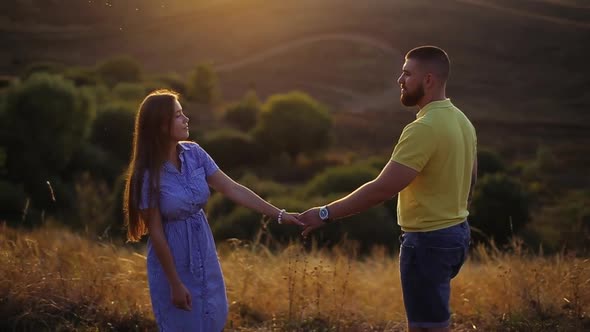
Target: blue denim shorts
428 262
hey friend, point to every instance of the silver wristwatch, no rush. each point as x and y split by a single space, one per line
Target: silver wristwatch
324 214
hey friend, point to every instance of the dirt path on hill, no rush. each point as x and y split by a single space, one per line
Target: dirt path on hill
290 45
519 12
356 101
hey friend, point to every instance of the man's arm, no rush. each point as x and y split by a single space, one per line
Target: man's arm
393 178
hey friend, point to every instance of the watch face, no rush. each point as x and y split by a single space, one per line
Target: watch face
323 213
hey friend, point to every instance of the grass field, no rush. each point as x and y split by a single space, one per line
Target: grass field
55 280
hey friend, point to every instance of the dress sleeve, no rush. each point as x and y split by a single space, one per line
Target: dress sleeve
415 146
206 161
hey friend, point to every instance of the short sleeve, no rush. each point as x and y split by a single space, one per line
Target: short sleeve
415 146
206 161
146 197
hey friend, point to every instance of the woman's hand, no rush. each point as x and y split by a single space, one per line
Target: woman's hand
181 297
289 218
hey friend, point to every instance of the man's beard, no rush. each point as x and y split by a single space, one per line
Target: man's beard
411 99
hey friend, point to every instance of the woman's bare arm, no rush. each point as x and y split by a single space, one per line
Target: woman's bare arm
246 197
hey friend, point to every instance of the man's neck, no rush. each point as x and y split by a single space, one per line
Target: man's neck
427 100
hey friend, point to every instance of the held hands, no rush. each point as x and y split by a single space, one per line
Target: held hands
289 218
308 220
311 221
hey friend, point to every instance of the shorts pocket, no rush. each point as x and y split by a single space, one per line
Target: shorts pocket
441 264
407 255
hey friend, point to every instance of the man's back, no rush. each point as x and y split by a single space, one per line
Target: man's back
441 145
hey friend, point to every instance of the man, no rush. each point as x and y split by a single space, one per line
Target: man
433 168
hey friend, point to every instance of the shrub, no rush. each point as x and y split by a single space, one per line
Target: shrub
293 123
6 81
202 86
100 93
112 130
42 67
82 76
375 226
101 164
172 81
130 92
220 205
242 115
241 223
340 179
500 207
52 110
118 70
489 162
13 200
232 149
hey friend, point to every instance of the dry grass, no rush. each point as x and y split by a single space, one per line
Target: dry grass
52 279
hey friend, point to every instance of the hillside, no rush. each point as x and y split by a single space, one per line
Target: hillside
519 68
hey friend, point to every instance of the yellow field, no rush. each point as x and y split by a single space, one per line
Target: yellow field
53 279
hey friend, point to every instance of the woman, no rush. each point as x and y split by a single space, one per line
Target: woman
166 189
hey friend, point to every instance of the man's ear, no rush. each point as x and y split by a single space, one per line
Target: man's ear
428 80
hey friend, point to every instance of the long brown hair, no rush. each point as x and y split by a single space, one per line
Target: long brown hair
150 144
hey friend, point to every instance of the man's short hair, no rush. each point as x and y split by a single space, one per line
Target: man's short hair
436 57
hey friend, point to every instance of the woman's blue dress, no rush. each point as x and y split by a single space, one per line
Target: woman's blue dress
181 199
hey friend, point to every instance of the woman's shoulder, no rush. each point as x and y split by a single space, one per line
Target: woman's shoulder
194 149
189 145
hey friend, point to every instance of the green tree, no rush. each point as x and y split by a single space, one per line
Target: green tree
241 223
340 179
489 162
500 207
232 149
46 119
243 114
172 81
42 67
130 92
82 76
202 85
118 70
293 123
13 200
97 161
112 130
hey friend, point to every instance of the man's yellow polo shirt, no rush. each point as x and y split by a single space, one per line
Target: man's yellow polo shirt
441 145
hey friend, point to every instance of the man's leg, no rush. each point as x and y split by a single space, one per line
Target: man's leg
428 262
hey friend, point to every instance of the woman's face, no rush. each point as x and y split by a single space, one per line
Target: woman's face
179 124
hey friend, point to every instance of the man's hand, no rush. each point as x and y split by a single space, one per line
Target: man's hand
290 218
311 220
